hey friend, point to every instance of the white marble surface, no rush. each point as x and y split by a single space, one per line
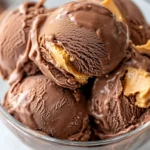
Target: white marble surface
7 140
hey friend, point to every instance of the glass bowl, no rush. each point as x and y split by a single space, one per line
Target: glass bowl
129 141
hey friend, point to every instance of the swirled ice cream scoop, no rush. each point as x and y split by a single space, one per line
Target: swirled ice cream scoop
14 31
40 104
77 41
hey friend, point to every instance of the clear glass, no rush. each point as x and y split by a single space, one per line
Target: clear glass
130 141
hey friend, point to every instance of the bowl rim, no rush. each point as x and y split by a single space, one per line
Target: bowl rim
22 128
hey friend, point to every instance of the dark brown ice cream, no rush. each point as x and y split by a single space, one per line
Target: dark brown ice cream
40 104
14 31
77 41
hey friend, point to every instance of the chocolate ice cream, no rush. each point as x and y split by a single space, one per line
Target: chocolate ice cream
40 104
76 42
14 31
80 77
119 99
127 12
113 113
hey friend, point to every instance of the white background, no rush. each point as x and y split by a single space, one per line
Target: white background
7 140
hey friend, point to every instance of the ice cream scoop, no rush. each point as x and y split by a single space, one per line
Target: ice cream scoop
114 113
78 41
14 31
120 98
40 104
127 12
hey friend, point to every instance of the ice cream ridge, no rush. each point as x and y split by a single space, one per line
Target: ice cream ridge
81 71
